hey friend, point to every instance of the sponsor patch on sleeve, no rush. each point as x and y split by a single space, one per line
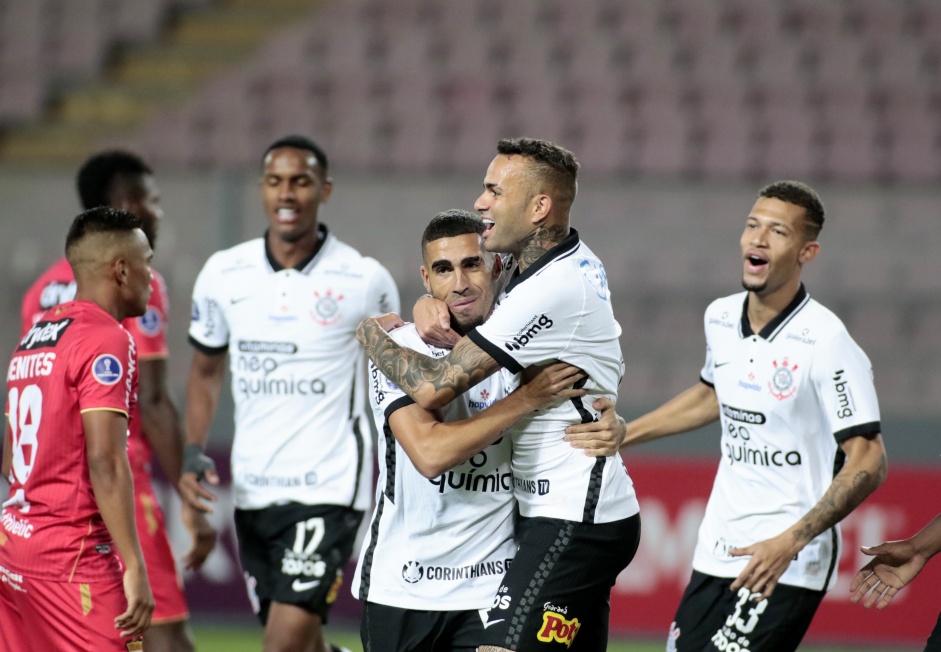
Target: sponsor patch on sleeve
107 369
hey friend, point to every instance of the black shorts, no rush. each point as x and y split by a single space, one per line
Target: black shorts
934 641
558 588
711 617
391 629
295 554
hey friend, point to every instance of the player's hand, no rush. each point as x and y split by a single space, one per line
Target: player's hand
433 323
196 466
896 564
544 385
769 560
389 321
602 437
140 603
203 534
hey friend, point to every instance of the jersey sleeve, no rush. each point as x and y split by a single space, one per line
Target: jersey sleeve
844 380
707 374
529 327
149 330
209 331
383 294
385 396
105 370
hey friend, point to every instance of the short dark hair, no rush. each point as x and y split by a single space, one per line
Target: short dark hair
451 223
553 164
99 176
101 219
300 142
799 194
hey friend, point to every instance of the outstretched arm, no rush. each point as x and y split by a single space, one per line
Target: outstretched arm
896 564
431 383
689 410
434 446
863 472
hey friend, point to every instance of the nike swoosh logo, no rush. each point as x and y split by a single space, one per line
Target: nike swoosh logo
716 365
299 586
239 300
493 622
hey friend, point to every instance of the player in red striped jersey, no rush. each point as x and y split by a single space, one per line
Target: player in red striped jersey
71 387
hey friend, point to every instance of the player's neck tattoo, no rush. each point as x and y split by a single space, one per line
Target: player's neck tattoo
445 378
537 243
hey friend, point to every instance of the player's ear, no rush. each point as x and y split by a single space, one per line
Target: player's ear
424 279
497 266
809 251
325 190
119 270
540 207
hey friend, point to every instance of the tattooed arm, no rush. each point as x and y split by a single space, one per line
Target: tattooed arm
431 382
863 472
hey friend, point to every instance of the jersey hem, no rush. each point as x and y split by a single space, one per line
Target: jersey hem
205 348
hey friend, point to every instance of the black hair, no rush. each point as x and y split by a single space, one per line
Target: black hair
799 194
101 219
450 223
300 142
100 175
552 164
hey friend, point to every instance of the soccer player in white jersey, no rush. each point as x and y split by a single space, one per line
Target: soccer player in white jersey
579 523
801 443
426 573
285 308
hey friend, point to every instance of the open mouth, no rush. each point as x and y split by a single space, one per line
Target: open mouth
287 215
755 262
488 224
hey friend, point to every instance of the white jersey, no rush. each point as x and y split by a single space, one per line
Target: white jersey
788 396
560 309
298 375
441 544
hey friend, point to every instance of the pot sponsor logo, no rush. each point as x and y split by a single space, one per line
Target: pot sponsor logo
558 629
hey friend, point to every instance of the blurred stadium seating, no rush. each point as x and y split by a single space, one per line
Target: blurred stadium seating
659 99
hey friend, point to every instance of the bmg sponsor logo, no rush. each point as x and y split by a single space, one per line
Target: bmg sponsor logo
556 628
528 332
844 396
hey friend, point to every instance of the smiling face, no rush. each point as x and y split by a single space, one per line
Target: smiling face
774 247
504 204
293 187
459 272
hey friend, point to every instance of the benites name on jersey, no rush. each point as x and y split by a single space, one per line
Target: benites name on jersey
256 366
739 449
42 335
414 572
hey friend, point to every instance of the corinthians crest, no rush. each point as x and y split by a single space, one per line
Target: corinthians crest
327 308
782 383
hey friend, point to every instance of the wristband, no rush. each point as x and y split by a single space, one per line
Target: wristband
196 461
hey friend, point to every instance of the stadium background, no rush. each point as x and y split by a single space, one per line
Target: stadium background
678 110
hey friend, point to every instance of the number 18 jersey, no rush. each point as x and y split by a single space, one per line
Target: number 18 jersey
75 359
